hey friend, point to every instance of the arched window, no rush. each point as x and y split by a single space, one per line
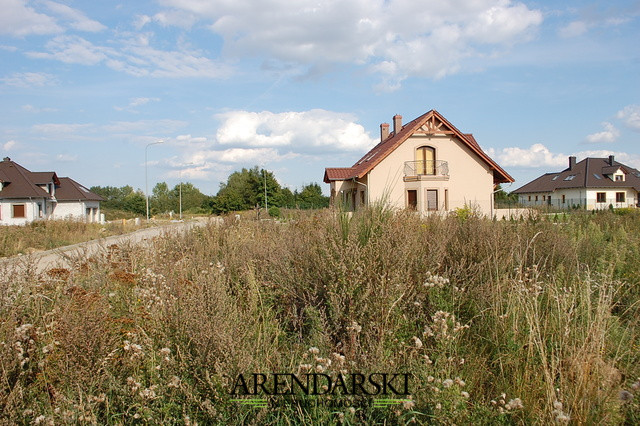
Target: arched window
426 160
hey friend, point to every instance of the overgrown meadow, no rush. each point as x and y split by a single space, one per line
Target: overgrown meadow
514 322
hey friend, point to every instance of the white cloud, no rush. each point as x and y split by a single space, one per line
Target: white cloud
9 145
630 115
74 50
609 135
306 131
161 126
66 158
536 155
135 102
19 20
135 56
55 129
539 156
411 38
574 29
77 20
29 79
33 109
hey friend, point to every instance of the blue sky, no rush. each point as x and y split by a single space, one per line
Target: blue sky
299 86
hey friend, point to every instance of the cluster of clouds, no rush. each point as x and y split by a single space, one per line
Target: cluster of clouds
630 118
393 38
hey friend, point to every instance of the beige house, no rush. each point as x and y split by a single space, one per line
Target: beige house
593 183
426 165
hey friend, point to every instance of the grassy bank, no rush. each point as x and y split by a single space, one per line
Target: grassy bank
46 235
497 323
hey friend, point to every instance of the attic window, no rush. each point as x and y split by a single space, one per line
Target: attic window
570 177
597 176
84 189
555 177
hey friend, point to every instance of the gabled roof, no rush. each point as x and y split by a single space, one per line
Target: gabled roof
70 190
43 178
18 182
434 120
588 173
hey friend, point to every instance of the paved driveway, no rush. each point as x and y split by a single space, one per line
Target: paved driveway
44 260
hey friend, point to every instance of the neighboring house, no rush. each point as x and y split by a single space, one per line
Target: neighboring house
593 183
426 165
26 196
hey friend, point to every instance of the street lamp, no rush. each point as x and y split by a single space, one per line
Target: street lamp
146 179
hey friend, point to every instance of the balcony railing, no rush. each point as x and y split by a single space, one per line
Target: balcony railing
426 169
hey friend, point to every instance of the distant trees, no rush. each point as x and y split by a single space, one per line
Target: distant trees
243 190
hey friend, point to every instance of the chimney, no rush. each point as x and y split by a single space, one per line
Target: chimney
384 131
572 162
611 158
397 124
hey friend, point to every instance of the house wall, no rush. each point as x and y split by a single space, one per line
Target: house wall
77 210
31 211
586 198
470 179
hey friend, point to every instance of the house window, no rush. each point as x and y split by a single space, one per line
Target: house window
544 198
536 198
432 199
426 160
620 197
412 199
601 197
446 199
18 210
529 197
564 198
619 178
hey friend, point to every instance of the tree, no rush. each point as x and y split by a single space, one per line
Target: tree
311 197
161 199
192 198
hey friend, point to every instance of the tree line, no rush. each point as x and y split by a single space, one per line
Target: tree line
243 190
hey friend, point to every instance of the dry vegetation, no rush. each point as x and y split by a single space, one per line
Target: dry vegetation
45 235
498 322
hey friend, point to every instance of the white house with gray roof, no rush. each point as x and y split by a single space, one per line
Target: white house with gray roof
593 183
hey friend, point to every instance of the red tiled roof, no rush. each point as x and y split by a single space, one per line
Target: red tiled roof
337 173
386 147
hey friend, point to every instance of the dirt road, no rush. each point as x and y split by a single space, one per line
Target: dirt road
44 260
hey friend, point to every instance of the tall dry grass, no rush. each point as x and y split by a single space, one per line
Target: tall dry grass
498 322
49 234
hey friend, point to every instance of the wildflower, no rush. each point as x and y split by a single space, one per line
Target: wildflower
636 385
313 350
430 379
557 405
319 368
562 418
514 404
438 406
23 330
417 342
625 396
175 382
165 351
447 383
357 328
148 393
460 382
408 405
40 419
465 394
352 410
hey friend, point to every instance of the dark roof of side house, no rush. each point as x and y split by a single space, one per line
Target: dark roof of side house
588 173
70 190
18 182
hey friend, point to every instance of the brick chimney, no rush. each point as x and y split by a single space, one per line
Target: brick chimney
572 162
611 160
6 159
397 124
384 131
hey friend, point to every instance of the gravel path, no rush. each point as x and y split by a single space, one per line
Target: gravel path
42 261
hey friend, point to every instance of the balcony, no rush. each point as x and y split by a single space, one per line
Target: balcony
426 170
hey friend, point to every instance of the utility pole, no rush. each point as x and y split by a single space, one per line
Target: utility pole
146 180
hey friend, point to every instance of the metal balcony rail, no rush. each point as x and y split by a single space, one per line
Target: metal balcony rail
426 168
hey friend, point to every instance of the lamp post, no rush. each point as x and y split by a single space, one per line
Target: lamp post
146 174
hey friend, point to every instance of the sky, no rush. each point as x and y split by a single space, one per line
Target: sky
294 87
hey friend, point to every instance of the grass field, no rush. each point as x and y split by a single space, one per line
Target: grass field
530 322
